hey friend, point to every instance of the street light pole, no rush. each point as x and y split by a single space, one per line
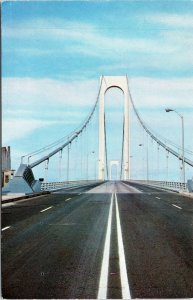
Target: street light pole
182 125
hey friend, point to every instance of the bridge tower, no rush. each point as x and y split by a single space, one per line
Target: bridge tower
107 82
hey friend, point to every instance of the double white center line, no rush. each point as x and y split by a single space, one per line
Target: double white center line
122 263
103 283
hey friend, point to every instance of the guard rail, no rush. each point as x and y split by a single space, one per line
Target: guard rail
171 185
50 186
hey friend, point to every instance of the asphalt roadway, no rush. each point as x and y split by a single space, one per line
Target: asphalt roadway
116 241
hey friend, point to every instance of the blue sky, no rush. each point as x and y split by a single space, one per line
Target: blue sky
54 52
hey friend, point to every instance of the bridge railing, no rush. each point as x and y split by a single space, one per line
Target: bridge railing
49 186
171 185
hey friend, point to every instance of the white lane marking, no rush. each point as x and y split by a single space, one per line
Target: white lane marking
177 206
5 228
46 209
103 283
158 198
122 263
68 199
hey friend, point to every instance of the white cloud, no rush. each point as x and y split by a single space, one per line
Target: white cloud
174 20
153 92
87 38
31 104
26 92
31 97
29 93
18 128
54 28
168 50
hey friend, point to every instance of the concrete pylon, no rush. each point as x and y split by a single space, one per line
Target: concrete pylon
107 82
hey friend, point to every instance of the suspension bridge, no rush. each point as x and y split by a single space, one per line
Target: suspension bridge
96 230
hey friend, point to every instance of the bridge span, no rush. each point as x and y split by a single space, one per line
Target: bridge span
117 240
